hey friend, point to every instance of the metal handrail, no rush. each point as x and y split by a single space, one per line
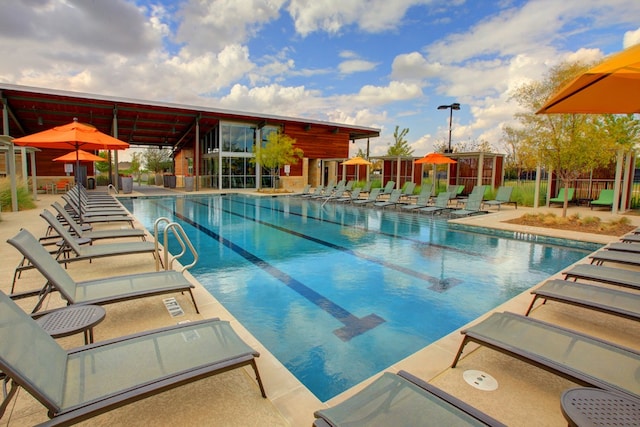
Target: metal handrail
182 239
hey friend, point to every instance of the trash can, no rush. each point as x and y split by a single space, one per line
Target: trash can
91 183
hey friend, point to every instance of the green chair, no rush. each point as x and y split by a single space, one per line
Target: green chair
560 197
502 197
605 198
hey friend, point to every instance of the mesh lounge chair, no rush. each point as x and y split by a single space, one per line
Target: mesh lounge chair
605 199
101 291
580 358
478 190
98 234
80 383
503 197
421 202
388 188
602 256
471 207
630 238
623 247
441 204
83 252
355 194
599 298
367 188
373 195
402 399
407 190
305 191
393 200
602 274
559 199
317 192
455 191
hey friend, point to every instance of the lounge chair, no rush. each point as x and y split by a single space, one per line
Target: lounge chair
623 247
305 191
455 191
394 199
76 229
425 190
503 197
602 274
578 357
373 195
471 207
367 188
98 215
317 192
354 195
619 257
101 291
402 399
559 199
441 204
85 252
407 190
80 383
630 238
421 202
388 188
97 219
101 210
478 190
599 298
605 198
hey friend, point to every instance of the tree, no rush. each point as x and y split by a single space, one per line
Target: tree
567 143
103 166
277 152
474 145
157 160
401 146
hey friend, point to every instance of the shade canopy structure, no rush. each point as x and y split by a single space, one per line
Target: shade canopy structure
81 155
357 161
613 87
435 159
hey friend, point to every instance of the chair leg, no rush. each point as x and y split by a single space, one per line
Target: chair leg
7 394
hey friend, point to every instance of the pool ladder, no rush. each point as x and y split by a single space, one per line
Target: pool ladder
181 238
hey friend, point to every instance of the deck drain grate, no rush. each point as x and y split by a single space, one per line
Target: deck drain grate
173 307
480 380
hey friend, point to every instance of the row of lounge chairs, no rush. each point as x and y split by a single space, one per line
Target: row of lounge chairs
423 203
77 384
583 359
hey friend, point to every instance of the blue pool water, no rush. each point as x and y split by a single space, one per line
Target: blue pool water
339 293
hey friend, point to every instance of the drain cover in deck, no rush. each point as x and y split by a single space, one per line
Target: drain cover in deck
480 380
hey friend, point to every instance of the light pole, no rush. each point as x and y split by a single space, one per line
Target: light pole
454 106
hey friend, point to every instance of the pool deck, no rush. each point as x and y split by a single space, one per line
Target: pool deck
526 395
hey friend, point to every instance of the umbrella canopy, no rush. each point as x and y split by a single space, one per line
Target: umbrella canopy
74 135
356 161
435 159
81 155
613 87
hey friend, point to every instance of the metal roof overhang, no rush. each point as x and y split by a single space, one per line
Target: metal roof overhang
140 123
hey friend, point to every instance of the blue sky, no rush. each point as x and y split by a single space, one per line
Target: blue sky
376 63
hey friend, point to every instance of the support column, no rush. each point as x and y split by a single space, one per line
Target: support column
536 191
549 182
196 155
11 157
480 168
34 175
116 184
626 181
617 181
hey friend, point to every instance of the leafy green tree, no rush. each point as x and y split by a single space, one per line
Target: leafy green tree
401 146
567 143
278 151
157 160
103 167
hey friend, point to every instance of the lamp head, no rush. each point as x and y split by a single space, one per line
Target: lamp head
443 107
455 106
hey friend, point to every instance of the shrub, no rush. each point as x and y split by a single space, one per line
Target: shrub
25 201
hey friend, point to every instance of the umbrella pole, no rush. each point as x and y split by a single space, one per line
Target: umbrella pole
78 182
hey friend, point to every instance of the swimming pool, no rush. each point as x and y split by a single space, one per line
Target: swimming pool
338 293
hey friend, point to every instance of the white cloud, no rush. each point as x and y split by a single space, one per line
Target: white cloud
631 38
356 66
332 16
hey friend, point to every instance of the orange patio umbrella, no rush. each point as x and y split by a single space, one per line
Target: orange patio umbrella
357 160
435 159
81 155
613 87
74 135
